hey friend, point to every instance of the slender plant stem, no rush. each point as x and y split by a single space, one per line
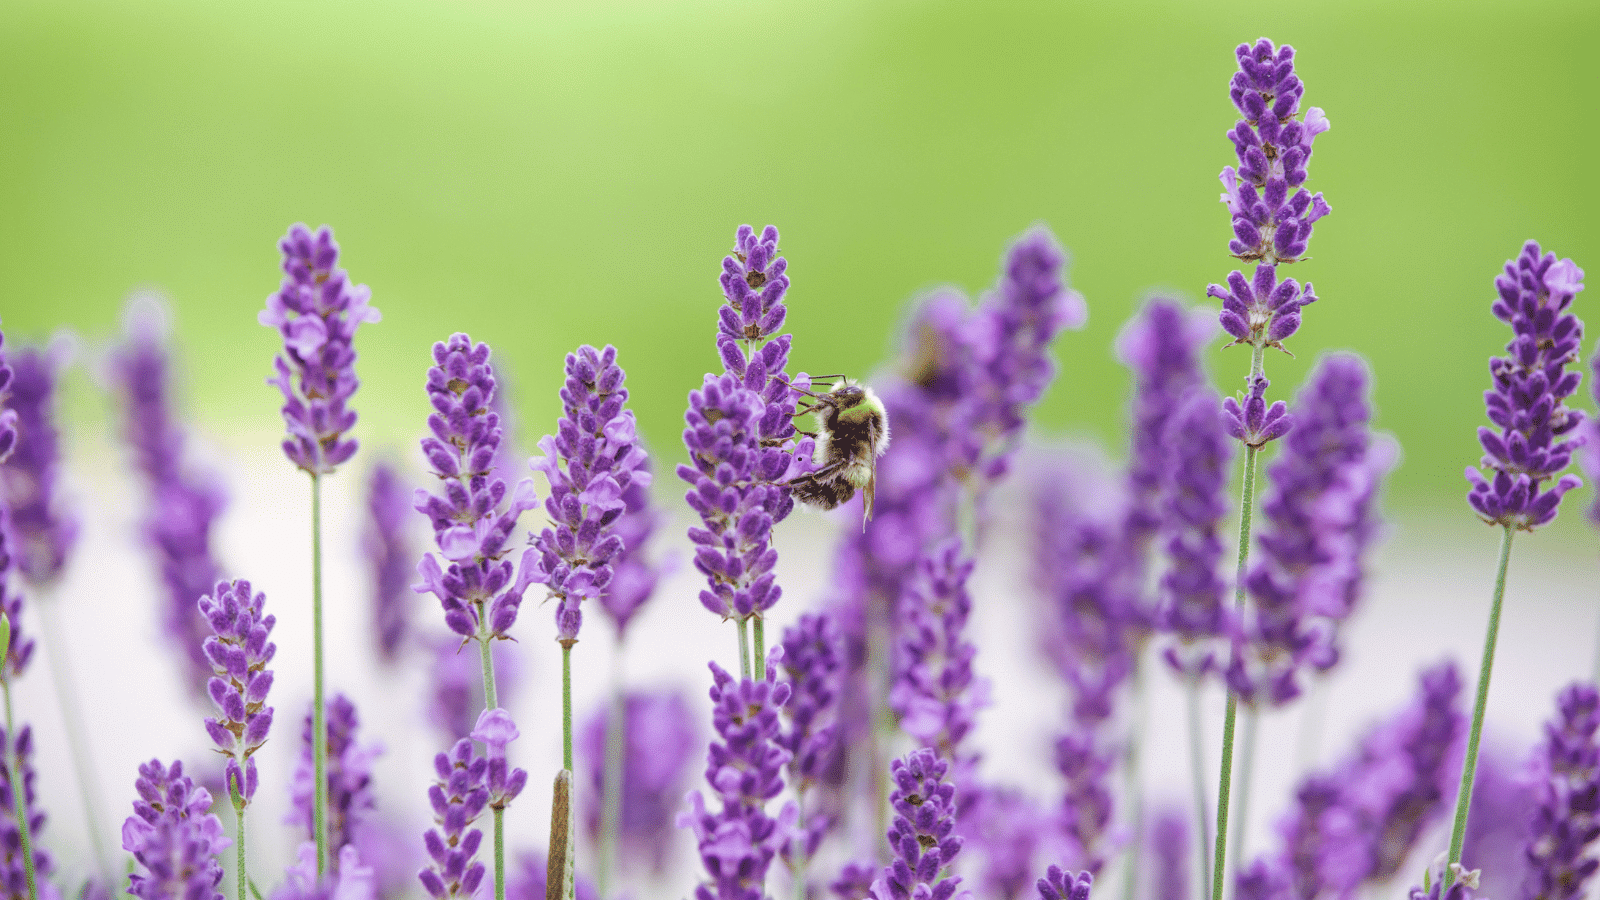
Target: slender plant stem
77 736
19 795
759 657
1135 784
319 722
491 700
1197 773
491 696
1247 756
798 847
1468 769
238 814
566 705
1224 794
611 800
744 647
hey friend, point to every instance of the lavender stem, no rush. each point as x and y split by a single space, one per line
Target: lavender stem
566 706
319 723
744 647
238 815
491 697
1197 765
1135 784
19 790
611 779
491 700
760 655
77 736
1469 768
799 844
1247 755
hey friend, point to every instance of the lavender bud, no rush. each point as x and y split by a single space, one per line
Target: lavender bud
935 691
495 730
1535 434
1059 885
921 837
1261 310
1255 423
1566 821
238 652
317 311
458 796
44 533
8 417
20 648
174 840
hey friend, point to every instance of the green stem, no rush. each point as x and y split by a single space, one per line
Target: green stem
491 697
799 845
611 801
759 657
744 647
1135 786
1224 789
1197 763
238 813
566 705
1247 756
319 724
491 700
19 799
77 736
1469 768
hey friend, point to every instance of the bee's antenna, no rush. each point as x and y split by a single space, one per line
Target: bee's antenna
799 389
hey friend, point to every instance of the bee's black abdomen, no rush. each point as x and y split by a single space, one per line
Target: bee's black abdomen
825 494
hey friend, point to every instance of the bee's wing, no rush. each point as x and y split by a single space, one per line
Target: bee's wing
868 493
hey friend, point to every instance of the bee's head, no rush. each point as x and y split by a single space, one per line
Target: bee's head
846 395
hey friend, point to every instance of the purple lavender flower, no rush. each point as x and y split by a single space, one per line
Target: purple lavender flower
348 880
1255 423
1059 885
8 417
1590 457
1464 887
237 653
172 837
459 797
812 664
1537 433
317 311
590 461
1086 765
935 692
529 881
20 651
495 731
389 551
1567 819
1167 855
184 500
44 533
349 775
12 868
478 587
1194 596
659 742
633 575
753 284
1004 829
745 767
1503 803
921 837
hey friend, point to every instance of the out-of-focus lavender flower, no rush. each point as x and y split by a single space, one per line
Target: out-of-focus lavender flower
1004 829
745 768
237 653
922 836
855 880
458 797
1255 423
1589 458
633 575
1566 821
1319 524
184 500
935 691
659 742
1503 801
1269 224
317 311
1464 887
43 531
1161 345
349 880
527 881
1087 765
20 651
172 837
389 553
1194 606
590 461
495 731
478 587
349 775
812 664
1167 855
456 689
1059 885
1535 433
8 416
12 868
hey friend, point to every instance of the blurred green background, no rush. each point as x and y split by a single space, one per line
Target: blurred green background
547 174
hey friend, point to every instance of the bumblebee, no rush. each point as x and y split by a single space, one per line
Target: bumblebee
852 432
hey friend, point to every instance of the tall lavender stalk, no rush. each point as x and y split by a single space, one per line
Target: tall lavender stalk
390 554
1270 226
317 311
812 666
922 837
1566 822
1533 441
175 842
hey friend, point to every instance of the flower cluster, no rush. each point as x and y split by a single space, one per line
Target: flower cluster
922 836
633 575
1535 433
390 554
495 731
1059 885
43 531
745 767
659 741
935 691
317 311
1566 821
172 837
1193 596
349 774
8 417
458 797
472 521
184 501
348 879
237 654
20 650
591 461
13 869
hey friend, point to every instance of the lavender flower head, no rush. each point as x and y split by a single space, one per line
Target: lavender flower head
812 661
745 768
1535 433
349 774
20 650
8 417
172 837
921 837
495 731
633 574
1059 885
389 553
317 311
12 868
935 690
1254 422
458 797
184 500
478 587
238 652
591 461
1194 596
1567 819
753 282
348 879
659 744
43 531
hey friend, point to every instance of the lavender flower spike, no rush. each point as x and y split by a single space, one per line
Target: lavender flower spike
921 837
8 417
1194 595
389 552
496 730
1567 820
1059 885
1535 432
13 868
238 651
459 797
591 461
478 587
1255 423
317 311
44 532
349 774
172 838
659 743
